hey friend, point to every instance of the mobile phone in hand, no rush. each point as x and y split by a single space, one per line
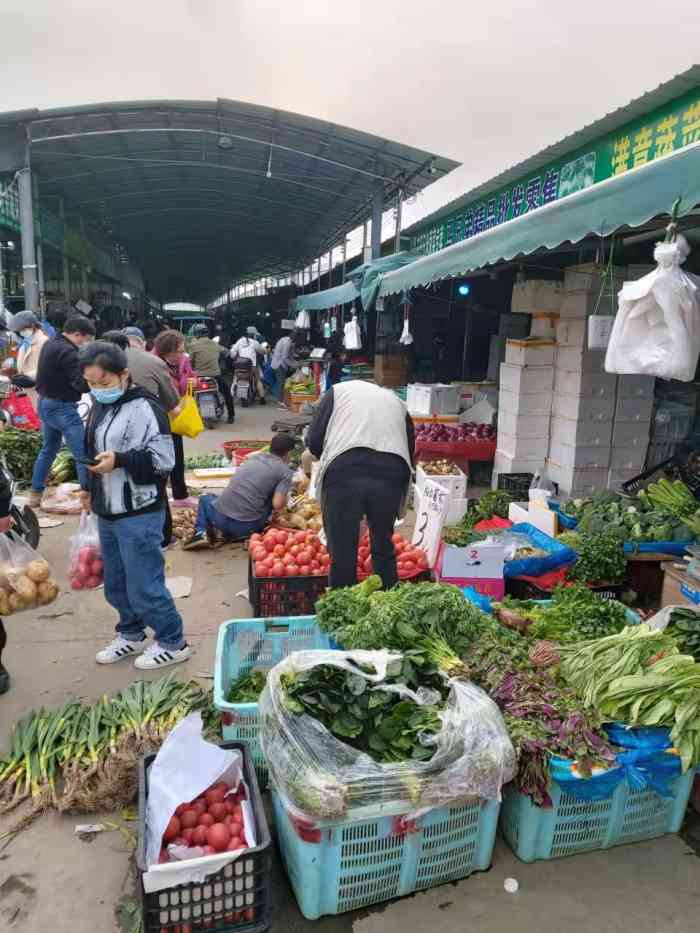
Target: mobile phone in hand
86 461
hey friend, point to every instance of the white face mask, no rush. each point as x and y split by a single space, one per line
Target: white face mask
27 333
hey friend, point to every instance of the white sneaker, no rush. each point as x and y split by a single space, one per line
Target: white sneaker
155 657
119 649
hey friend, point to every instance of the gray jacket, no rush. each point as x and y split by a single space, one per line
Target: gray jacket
151 373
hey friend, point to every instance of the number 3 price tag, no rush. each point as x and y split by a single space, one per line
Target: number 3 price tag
431 508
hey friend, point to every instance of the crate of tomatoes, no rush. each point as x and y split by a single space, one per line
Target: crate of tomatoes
287 572
411 561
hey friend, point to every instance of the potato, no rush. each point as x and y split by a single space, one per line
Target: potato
26 589
16 603
4 603
37 570
47 591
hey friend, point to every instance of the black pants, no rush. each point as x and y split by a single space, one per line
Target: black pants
344 503
225 390
177 476
3 639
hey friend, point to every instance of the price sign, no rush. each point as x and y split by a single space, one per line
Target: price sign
431 509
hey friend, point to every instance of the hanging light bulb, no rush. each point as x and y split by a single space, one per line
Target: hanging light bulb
268 173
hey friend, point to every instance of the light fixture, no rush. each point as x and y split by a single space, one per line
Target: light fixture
268 173
464 289
224 142
126 295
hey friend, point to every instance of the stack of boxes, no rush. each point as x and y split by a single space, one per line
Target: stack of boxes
630 434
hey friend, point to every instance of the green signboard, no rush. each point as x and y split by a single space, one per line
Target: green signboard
657 134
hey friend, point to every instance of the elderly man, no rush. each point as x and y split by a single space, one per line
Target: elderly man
147 370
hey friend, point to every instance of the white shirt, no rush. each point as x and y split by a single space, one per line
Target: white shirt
247 348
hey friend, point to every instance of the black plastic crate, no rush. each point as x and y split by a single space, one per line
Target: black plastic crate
284 596
524 589
236 899
517 484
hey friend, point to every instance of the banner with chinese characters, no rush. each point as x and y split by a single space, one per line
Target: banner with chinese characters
659 133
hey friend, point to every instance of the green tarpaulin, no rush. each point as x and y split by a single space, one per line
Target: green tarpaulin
630 199
319 301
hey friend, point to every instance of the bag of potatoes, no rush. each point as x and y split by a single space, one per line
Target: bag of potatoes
25 577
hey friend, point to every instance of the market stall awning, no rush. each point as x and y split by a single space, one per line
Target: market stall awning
626 200
329 298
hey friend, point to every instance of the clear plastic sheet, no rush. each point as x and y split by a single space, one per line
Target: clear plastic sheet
321 778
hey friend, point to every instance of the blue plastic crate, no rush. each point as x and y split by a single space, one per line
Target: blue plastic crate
256 644
335 867
571 825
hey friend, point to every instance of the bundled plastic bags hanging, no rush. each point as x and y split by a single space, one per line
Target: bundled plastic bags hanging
657 327
303 321
320 777
352 339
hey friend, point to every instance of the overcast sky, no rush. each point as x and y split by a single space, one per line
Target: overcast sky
487 84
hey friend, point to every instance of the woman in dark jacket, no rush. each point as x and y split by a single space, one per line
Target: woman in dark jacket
128 435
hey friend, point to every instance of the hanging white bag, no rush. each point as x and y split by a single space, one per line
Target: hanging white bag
352 337
657 328
303 321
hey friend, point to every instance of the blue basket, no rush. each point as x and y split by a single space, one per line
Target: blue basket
558 554
571 825
256 644
335 867
566 521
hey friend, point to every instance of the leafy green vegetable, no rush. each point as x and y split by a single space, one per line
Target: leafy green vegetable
20 449
684 627
247 688
577 614
601 559
491 503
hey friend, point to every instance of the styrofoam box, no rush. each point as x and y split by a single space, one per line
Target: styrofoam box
579 481
523 425
580 361
617 477
456 508
587 385
525 379
536 295
455 485
530 352
583 304
584 409
587 277
634 409
585 433
628 458
630 434
523 448
582 458
435 399
505 463
530 403
572 332
544 324
636 386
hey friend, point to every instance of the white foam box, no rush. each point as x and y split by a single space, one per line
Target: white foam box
630 434
544 324
536 295
578 456
582 408
636 386
435 399
530 352
456 485
456 508
587 277
523 448
583 433
526 379
543 518
585 384
575 359
583 304
529 403
580 482
573 332
634 409
505 463
523 425
628 458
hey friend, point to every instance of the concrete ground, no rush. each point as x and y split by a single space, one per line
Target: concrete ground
51 880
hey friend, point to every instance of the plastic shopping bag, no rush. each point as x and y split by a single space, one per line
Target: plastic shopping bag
20 408
657 327
188 422
85 569
63 499
25 577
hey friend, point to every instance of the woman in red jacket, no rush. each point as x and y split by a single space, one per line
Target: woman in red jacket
170 346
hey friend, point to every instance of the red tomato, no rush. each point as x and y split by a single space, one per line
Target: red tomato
189 818
306 556
215 794
292 570
400 546
268 562
315 564
288 559
206 819
181 809
409 566
300 537
218 836
200 806
199 835
188 835
256 538
304 570
259 553
87 554
235 826
96 568
76 583
172 830
364 553
218 811
278 550
318 572
396 537
278 569
270 543
367 565
260 569
294 549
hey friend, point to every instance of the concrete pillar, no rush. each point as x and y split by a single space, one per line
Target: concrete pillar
345 255
377 211
83 269
65 264
399 208
39 248
26 216
318 277
330 268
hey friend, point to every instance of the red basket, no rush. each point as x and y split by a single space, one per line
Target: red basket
237 451
461 450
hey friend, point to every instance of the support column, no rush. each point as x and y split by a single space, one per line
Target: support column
330 268
345 256
399 209
377 211
318 277
26 216
39 249
65 264
83 268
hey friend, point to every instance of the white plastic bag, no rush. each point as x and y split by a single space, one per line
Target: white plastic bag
406 337
25 577
657 327
352 339
303 321
85 567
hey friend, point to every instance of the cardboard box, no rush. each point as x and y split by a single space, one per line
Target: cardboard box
636 386
678 589
573 332
578 457
531 403
630 434
580 361
522 425
455 485
523 448
628 458
581 408
544 324
536 295
583 433
586 384
530 352
390 370
634 409
578 482
526 379
588 276
479 565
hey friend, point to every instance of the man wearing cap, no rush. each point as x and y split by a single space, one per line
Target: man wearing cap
205 356
27 326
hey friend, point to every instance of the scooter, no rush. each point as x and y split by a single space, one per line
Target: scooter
243 387
209 400
25 523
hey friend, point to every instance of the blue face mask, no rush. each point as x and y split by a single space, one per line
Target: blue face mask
107 396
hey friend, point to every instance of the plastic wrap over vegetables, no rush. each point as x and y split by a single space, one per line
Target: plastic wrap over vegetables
344 736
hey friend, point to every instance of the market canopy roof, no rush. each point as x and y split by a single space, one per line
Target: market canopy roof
202 194
362 282
627 200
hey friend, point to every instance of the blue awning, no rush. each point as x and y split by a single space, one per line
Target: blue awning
624 200
319 301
